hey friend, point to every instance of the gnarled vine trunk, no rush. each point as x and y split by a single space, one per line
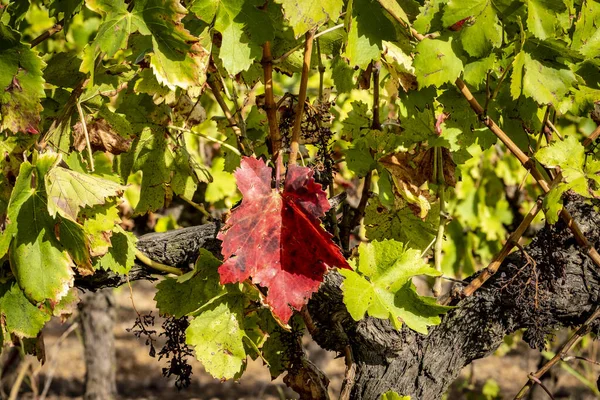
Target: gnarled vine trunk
550 285
97 315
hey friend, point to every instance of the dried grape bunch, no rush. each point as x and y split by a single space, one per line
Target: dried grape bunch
176 351
316 120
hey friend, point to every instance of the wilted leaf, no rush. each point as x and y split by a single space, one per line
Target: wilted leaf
412 171
102 137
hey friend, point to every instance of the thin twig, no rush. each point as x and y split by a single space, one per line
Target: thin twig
48 33
295 142
582 331
544 132
536 380
156 265
308 321
197 206
570 358
14 391
439 240
54 358
349 375
364 199
590 139
529 164
233 123
551 125
86 135
512 241
207 137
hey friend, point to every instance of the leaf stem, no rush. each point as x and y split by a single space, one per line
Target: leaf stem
439 241
295 143
156 265
197 206
86 135
207 137
48 33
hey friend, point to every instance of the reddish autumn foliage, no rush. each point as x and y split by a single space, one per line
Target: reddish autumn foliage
276 240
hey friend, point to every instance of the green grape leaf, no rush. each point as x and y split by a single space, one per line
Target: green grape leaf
543 17
358 121
429 17
343 75
307 14
391 395
369 28
41 266
394 9
205 10
381 285
223 184
116 26
180 59
197 291
476 71
217 338
576 168
121 255
401 224
63 70
436 63
21 84
72 237
586 38
98 223
359 158
69 191
17 315
553 203
417 125
482 30
149 152
237 21
545 85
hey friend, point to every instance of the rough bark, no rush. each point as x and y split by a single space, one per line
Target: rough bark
550 285
97 314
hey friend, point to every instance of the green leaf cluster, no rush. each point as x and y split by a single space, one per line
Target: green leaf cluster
381 286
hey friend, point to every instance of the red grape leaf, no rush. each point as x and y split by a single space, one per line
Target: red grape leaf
276 238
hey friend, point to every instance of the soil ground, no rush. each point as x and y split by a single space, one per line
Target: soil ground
139 376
